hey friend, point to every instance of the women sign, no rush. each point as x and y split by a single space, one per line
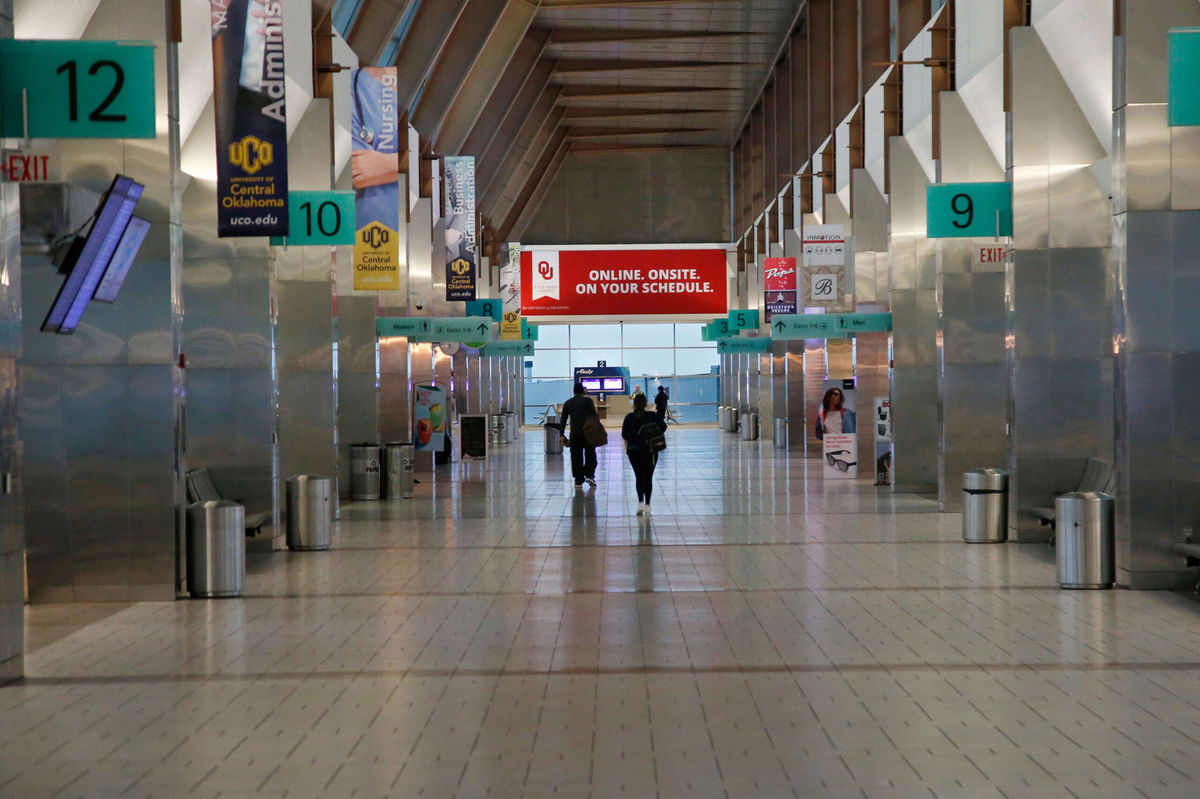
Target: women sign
617 281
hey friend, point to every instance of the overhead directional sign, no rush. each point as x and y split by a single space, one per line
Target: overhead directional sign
864 322
968 210
386 326
505 349
319 218
463 328
743 320
733 346
798 326
76 89
716 329
492 308
528 332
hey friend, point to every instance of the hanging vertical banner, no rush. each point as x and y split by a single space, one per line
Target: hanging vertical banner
837 427
510 278
824 281
779 286
251 123
461 257
375 172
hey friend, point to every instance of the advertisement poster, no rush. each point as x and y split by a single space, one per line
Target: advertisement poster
375 172
779 286
510 278
625 282
251 124
837 427
881 420
430 417
462 260
824 282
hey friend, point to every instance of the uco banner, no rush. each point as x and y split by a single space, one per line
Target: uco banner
779 286
375 174
624 282
251 124
461 252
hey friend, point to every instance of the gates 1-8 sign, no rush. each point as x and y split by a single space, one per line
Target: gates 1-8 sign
969 210
76 89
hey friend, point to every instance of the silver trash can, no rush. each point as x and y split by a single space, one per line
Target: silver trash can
553 436
309 511
722 422
731 420
496 427
985 506
781 433
511 428
216 548
749 427
399 463
1085 539
364 471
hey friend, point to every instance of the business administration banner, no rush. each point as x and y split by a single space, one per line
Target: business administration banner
461 252
624 282
375 173
779 286
251 124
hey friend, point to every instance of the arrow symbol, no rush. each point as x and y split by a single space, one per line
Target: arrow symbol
482 328
529 348
424 326
779 326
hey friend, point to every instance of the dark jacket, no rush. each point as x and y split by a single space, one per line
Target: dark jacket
574 412
660 402
633 423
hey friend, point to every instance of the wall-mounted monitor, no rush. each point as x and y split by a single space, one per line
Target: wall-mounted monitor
613 384
112 219
591 383
118 267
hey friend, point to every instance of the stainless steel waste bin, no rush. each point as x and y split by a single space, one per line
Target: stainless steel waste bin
553 436
985 506
731 420
1085 539
309 511
511 428
781 433
399 465
364 471
722 422
749 426
496 428
216 548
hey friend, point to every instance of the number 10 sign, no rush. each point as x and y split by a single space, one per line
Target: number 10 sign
969 210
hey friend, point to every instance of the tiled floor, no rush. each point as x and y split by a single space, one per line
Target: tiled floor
764 634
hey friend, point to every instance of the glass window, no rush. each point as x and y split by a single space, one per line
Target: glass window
652 362
648 336
343 15
589 336
551 363
589 357
689 336
553 337
695 361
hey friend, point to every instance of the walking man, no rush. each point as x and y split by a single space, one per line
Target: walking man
577 410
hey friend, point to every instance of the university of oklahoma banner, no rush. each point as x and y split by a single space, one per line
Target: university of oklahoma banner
779 286
248 98
461 258
375 174
624 282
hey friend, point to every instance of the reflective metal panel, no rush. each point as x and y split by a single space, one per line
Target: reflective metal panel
357 378
307 398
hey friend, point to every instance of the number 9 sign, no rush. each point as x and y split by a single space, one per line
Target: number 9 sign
969 210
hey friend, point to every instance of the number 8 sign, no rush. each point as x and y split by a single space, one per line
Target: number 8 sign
969 210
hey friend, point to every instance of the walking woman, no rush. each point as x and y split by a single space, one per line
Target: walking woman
643 434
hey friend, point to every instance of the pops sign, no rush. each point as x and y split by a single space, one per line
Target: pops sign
779 286
624 282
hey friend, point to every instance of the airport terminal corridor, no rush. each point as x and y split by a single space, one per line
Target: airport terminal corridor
765 633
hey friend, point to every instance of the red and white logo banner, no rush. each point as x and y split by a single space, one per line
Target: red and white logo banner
622 282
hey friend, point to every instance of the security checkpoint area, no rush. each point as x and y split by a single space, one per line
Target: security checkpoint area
636 398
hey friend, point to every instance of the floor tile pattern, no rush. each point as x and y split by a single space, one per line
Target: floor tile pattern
766 633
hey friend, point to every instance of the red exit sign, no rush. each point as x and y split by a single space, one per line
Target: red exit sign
991 255
24 167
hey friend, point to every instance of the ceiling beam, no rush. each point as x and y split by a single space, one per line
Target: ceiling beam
618 35
552 4
570 91
373 27
535 99
543 120
611 147
605 112
522 68
522 181
536 186
596 133
637 64
421 48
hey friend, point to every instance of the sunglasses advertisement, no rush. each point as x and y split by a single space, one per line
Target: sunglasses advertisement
837 427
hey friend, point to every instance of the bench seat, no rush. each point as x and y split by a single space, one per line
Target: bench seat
200 488
1098 476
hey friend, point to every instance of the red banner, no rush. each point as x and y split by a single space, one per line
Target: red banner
623 282
779 286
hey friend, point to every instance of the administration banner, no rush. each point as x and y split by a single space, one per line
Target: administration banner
375 172
462 259
251 124
623 282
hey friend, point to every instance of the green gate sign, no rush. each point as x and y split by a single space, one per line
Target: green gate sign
410 326
968 210
462 328
742 320
507 349
734 346
76 89
319 218
492 308
801 326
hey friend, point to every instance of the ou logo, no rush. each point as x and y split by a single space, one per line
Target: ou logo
251 154
374 236
545 270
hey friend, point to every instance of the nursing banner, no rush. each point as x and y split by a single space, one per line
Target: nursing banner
375 173
251 124
779 286
461 252
430 418
623 282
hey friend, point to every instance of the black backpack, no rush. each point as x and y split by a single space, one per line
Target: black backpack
651 435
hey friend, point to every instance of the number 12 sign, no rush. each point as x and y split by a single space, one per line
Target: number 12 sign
76 89
969 210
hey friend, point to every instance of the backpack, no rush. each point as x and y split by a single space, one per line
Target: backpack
594 434
650 434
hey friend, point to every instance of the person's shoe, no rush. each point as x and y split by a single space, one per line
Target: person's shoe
641 509
579 486
646 509
591 481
